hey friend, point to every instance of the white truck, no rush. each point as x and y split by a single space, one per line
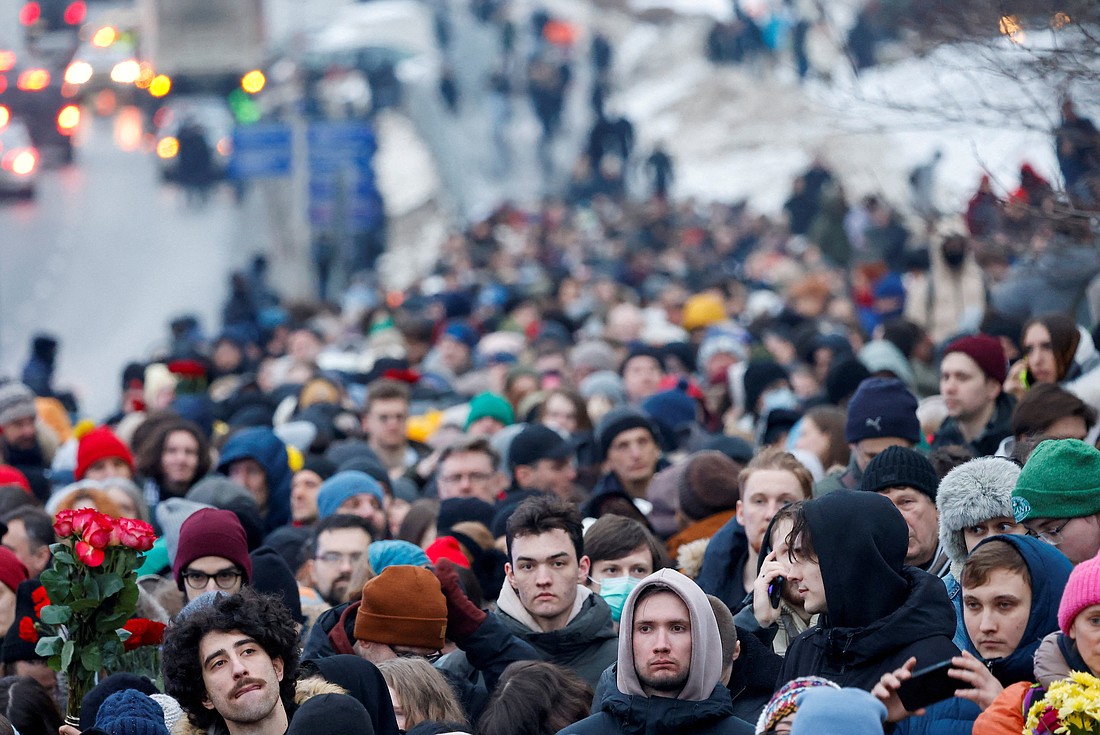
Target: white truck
202 42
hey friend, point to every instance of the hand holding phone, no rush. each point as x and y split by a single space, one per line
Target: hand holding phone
929 685
775 591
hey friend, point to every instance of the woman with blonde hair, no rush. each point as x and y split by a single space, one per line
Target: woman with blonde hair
419 693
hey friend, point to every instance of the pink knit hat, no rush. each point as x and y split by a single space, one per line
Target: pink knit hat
1082 590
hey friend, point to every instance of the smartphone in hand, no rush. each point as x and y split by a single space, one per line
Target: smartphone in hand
928 686
775 591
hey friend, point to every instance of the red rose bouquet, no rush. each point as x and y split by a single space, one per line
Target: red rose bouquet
90 593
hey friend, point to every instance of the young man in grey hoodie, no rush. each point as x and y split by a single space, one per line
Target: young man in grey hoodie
669 666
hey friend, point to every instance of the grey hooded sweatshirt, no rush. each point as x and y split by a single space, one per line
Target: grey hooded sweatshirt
703 706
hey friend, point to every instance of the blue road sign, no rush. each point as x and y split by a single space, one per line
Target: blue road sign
261 151
343 194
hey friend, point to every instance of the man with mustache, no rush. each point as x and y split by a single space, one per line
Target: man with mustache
232 664
335 546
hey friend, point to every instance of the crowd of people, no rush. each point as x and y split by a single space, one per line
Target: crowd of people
613 466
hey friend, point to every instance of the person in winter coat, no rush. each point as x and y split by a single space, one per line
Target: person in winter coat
847 559
256 459
979 412
975 503
1012 586
543 600
1057 351
668 668
359 679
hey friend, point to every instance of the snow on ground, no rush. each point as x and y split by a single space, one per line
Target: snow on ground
739 133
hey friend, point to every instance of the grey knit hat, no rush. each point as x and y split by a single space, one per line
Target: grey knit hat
970 494
16 402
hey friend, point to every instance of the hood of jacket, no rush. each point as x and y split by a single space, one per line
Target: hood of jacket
706 644
264 447
1049 571
925 611
722 564
861 540
589 624
970 494
360 679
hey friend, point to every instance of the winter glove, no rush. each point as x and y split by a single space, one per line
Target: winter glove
463 616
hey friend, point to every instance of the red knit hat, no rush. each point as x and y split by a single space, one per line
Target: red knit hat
99 444
447 547
11 476
212 532
12 571
985 350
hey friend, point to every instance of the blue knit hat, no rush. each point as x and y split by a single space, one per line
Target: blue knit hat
671 410
828 711
343 485
384 554
130 712
882 407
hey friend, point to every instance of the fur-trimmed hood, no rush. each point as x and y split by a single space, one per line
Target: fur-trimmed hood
306 688
970 494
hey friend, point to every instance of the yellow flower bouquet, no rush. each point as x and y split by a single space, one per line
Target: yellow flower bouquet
1071 706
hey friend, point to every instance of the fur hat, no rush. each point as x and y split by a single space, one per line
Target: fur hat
970 494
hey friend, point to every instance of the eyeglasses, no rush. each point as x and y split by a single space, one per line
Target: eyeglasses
430 658
1053 537
475 478
225 579
335 557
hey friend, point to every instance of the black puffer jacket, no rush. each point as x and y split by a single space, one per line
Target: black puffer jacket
879 612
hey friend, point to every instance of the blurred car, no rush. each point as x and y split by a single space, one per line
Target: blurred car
106 60
211 115
18 157
35 95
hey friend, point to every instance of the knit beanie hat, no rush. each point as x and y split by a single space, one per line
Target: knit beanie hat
720 343
900 467
170 514
130 712
343 485
403 606
843 379
318 465
970 494
218 491
12 571
211 532
758 376
882 407
11 476
784 702
113 684
618 420
604 383
593 355
638 350
708 485
825 711
490 405
384 554
671 410
97 445
16 402
1061 479
702 310
447 547
332 714
1082 590
271 575
458 510
173 713
985 350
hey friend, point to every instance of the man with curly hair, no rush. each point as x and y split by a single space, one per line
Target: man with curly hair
231 662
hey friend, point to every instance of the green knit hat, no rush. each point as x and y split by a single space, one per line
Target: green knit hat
1060 480
490 405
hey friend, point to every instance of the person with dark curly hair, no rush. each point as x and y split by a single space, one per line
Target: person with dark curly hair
231 662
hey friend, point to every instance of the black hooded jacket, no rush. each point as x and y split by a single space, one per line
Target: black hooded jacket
880 612
363 681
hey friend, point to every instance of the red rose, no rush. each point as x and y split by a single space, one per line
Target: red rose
135 534
88 554
40 599
98 531
27 631
81 518
63 523
143 632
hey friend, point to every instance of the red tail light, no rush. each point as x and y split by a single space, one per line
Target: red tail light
30 13
75 13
